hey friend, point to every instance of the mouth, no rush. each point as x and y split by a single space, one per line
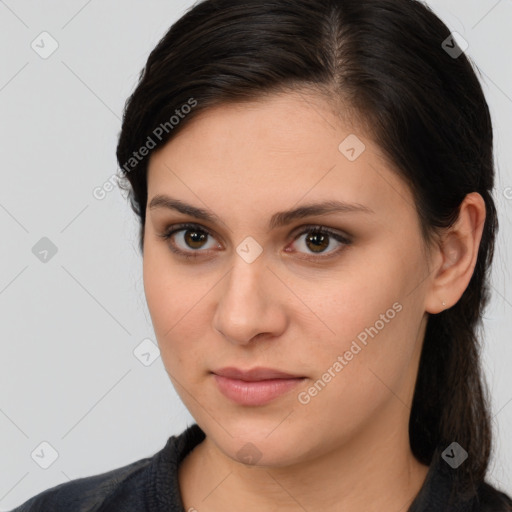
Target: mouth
256 386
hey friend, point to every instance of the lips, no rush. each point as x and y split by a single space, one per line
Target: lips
254 387
254 374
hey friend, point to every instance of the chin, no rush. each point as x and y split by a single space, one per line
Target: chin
262 443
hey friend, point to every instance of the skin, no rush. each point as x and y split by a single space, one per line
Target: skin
348 447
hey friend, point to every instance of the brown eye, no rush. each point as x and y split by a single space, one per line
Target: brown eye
187 240
194 238
318 239
191 240
319 242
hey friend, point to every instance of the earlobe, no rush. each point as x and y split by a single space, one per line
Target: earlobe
458 251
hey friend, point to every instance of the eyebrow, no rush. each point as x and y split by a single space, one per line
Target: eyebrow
277 220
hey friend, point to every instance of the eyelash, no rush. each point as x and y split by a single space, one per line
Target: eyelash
309 229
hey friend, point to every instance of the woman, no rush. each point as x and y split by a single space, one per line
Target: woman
314 186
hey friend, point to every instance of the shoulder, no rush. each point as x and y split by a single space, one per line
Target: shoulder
147 484
86 494
490 499
442 491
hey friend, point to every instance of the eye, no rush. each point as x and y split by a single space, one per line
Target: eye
194 236
318 239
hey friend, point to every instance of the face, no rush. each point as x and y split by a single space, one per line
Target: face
335 299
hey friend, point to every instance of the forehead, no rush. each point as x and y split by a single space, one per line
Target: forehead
279 150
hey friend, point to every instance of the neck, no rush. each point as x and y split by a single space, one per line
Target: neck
375 471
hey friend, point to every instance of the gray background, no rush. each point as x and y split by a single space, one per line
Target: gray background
72 326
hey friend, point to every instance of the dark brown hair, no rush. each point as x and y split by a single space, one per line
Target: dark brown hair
387 61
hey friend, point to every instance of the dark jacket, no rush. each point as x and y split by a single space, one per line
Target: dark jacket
151 485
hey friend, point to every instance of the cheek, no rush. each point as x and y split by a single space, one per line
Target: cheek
351 379
350 304
176 307
158 290
166 294
371 313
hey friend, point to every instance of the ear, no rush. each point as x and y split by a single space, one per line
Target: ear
456 255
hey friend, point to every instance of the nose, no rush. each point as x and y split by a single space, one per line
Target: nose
250 302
